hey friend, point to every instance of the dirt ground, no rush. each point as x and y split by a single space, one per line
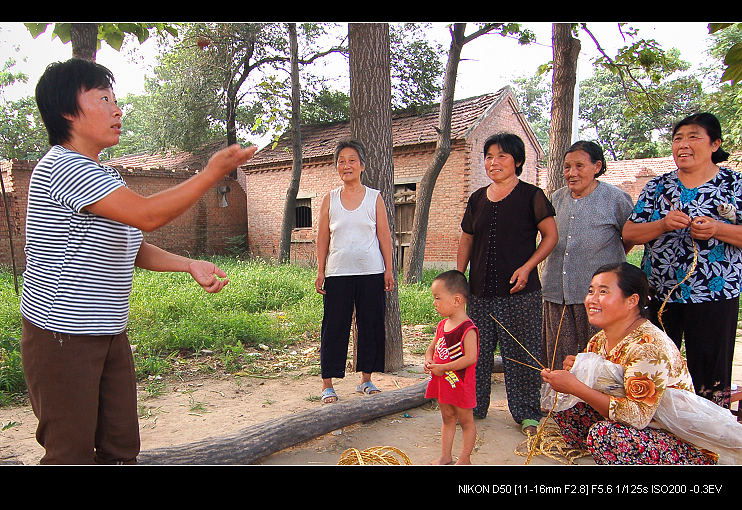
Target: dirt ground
197 405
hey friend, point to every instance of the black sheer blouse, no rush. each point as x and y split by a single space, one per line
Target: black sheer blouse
504 237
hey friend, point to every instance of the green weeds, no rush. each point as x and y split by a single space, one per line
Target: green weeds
264 306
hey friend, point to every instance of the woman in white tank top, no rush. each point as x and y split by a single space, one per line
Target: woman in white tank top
354 269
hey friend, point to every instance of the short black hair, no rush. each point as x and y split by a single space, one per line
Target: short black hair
711 124
509 144
455 282
57 90
350 143
631 280
593 150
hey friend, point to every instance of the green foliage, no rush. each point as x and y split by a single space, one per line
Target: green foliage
733 56
12 382
22 133
416 66
534 99
264 304
112 33
325 107
726 100
634 126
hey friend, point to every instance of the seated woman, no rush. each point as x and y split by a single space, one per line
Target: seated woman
616 429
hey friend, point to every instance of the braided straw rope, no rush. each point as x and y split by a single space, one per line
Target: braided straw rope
384 455
667 298
550 443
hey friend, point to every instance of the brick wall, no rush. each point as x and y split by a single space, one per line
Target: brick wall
15 182
204 229
461 175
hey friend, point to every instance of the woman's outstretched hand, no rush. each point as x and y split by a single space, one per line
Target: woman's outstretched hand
208 275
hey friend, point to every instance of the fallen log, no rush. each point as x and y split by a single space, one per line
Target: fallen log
253 443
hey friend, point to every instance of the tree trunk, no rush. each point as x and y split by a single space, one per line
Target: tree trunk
258 441
414 266
371 124
284 246
84 38
564 78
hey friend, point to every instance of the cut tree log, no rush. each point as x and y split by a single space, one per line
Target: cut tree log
253 443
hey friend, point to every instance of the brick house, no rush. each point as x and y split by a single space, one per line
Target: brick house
205 228
631 175
268 174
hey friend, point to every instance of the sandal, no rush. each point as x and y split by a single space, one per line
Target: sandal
529 427
329 396
368 388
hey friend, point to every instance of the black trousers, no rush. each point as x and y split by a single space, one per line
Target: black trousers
708 330
365 294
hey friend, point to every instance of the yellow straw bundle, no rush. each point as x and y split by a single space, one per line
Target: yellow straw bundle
550 443
384 455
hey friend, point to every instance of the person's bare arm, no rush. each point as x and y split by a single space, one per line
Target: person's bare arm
463 253
385 242
322 246
210 277
149 213
549 237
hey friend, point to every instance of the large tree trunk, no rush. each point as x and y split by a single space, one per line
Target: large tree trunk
284 246
424 196
564 78
258 441
371 124
84 38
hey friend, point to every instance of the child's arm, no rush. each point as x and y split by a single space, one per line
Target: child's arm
469 357
429 356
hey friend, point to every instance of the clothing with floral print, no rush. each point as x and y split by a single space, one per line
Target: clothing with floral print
669 257
610 442
652 363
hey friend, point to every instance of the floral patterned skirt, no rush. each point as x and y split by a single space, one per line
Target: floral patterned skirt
610 442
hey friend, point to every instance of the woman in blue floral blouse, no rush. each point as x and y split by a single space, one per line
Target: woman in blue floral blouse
690 222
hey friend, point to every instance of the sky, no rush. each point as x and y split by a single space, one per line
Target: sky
485 62
488 63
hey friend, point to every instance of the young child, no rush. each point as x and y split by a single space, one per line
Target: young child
451 359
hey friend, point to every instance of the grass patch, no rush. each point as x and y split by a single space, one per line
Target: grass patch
264 305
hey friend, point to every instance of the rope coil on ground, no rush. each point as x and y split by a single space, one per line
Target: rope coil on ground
550 443
385 455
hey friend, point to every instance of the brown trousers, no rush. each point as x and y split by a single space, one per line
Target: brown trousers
83 392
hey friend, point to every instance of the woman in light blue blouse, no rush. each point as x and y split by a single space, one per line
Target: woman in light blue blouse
689 222
589 215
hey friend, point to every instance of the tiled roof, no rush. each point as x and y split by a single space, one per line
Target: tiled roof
319 140
628 170
407 129
174 161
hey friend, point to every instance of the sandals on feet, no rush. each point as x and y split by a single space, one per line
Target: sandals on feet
368 388
329 396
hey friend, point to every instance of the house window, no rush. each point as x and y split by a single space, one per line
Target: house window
303 218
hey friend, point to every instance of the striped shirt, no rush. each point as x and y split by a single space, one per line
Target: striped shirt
79 266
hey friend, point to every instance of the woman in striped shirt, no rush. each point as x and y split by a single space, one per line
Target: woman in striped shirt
83 239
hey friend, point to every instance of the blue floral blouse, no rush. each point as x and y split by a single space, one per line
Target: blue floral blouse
667 258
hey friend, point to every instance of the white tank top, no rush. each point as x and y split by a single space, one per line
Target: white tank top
354 245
